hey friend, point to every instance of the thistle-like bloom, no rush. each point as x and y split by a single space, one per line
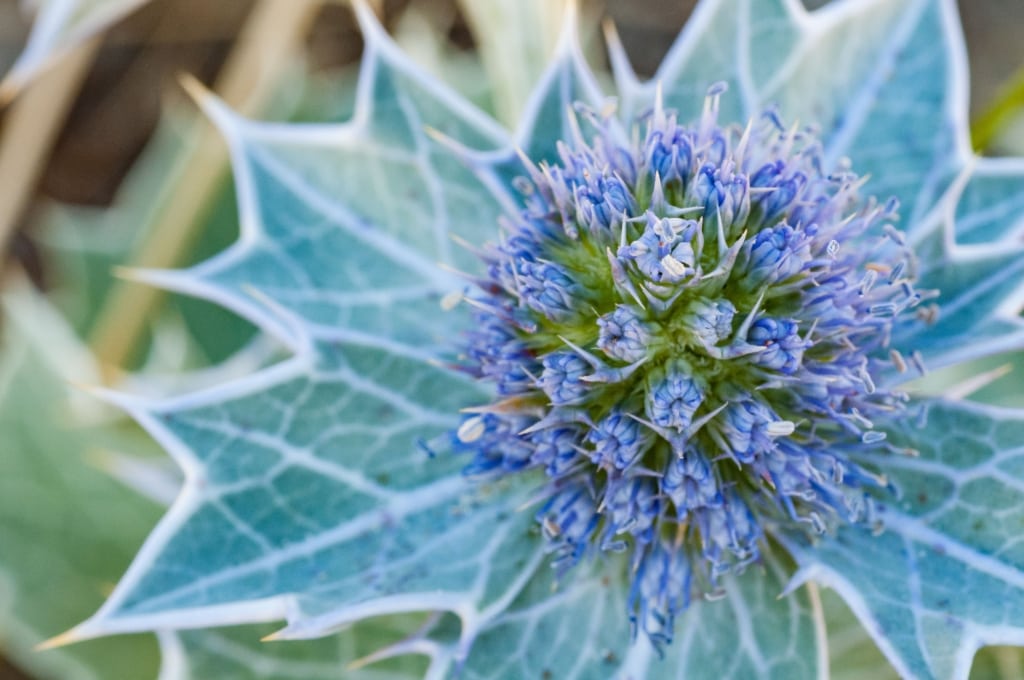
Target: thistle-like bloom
686 337
684 333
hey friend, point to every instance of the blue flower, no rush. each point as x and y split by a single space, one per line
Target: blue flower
744 428
660 590
673 397
663 252
546 288
623 335
711 321
684 336
783 346
569 520
618 441
716 353
633 507
562 377
773 255
689 481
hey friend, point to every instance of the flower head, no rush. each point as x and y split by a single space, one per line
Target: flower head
682 332
699 314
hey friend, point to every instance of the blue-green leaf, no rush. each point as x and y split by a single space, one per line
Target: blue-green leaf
739 42
85 243
990 206
550 116
345 225
946 577
238 654
886 82
972 255
577 630
307 498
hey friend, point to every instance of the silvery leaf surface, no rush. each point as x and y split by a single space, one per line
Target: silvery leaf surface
236 653
973 256
577 630
307 498
946 575
350 227
883 81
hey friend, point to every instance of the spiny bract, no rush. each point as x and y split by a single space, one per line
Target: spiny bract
682 328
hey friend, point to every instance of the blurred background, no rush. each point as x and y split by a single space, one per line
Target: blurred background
104 162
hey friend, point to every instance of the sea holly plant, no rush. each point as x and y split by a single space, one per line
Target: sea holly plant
609 396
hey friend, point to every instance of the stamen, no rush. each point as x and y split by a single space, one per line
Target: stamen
873 437
471 430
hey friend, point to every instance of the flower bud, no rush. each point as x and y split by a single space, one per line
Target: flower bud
623 335
710 320
690 482
562 377
618 440
673 397
784 348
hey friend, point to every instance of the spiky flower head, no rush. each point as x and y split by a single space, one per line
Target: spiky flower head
684 332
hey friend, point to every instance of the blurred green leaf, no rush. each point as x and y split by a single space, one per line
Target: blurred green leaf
854 656
851 652
516 38
59 26
67 530
993 123
237 654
